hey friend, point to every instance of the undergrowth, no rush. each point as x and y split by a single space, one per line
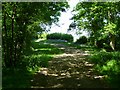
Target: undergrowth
34 58
108 64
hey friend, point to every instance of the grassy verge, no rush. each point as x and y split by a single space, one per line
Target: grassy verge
108 64
34 58
39 55
105 63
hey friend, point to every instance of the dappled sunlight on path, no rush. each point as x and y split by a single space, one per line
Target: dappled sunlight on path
68 70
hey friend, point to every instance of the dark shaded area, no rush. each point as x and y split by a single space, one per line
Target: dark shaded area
82 40
16 78
21 76
21 23
65 82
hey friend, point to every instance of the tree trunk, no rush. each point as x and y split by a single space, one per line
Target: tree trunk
5 47
15 39
112 41
12 38
95 43
112 37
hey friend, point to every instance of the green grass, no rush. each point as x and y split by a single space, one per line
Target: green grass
34 58
38 55
16 78
108 64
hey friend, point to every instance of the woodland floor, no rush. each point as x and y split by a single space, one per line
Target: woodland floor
71 69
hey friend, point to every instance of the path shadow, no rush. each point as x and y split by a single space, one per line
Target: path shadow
66 81
69 70
16 78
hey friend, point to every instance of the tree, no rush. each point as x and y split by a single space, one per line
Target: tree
99 19
17 19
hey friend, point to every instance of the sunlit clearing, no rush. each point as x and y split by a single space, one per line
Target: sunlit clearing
38 40
67 55
69 43
42 49
36 56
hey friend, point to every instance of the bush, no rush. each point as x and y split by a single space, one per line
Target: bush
104 43
82 40
107 63
67 37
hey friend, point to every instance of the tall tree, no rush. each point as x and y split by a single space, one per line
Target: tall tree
98 18
17 18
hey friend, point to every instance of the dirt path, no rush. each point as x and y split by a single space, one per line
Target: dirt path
68 70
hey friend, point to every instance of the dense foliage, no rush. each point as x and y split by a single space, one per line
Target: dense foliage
34 59
60 36
100 19
82 40
108 64
21 21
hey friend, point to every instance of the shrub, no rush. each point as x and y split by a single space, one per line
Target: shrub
107 63
103 43
82 40
67 37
